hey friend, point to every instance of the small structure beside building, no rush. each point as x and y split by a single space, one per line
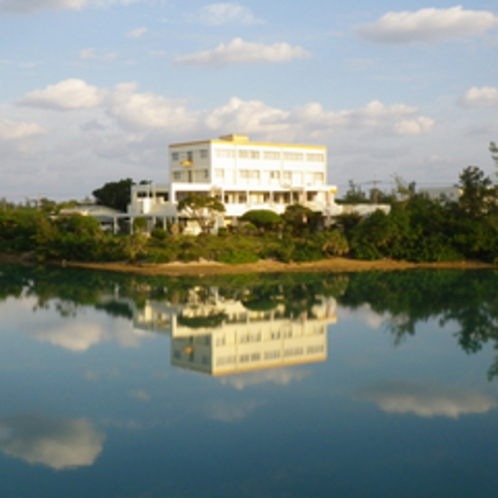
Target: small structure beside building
106 216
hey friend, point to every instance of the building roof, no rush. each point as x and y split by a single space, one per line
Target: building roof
238 139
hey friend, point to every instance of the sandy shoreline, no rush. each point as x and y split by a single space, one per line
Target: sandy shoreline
199 268
334 265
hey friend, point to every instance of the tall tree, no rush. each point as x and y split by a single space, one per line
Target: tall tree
202 209
477 194
115 195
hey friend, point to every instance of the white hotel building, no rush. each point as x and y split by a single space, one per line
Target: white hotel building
244 175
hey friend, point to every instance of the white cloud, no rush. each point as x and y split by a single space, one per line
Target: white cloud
27 6
416 126
239 51
139 112
31 6
426 400
137 32
428 25
227 13
10 130
148 110
59 444
91 53
480 97
251 116
66 95
396 119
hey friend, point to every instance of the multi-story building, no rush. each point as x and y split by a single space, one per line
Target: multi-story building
244 175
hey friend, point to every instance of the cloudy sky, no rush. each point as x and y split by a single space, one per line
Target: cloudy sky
94 90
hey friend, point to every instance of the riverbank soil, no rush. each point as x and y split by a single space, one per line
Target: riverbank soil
333 265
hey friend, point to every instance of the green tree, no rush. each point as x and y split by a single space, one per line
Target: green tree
262 218
202 209
354 194
477 193
115 195
139 225
300 218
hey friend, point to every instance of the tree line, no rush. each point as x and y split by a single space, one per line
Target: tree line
417 228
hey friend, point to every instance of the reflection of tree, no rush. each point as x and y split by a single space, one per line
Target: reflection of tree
212 320
465 297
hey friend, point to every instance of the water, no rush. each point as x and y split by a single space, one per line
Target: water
271 386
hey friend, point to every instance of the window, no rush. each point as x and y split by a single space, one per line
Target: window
244 173
271 355
315 349
275 175
271 155
293 156
225 153
177 175
204 154
254 175
293 351
318 178
317 158
248 154
190 156
225 360
219 173
287 176
205 174
175 156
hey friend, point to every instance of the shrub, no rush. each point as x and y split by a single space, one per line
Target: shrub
159 233
263 218
237 257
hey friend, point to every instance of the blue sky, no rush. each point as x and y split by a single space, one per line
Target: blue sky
94 90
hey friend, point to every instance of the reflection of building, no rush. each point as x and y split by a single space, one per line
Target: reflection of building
218 335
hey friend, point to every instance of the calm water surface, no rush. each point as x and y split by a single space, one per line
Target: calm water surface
370 385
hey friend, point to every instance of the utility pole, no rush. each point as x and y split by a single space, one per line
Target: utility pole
374 191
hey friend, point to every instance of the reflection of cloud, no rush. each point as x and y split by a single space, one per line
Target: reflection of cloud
74 335
426 400
281 376
363 313
223 411
140 395
60 444
79 336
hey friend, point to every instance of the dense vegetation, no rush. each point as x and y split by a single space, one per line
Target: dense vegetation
416 229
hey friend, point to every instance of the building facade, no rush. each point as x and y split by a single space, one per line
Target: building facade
244 175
